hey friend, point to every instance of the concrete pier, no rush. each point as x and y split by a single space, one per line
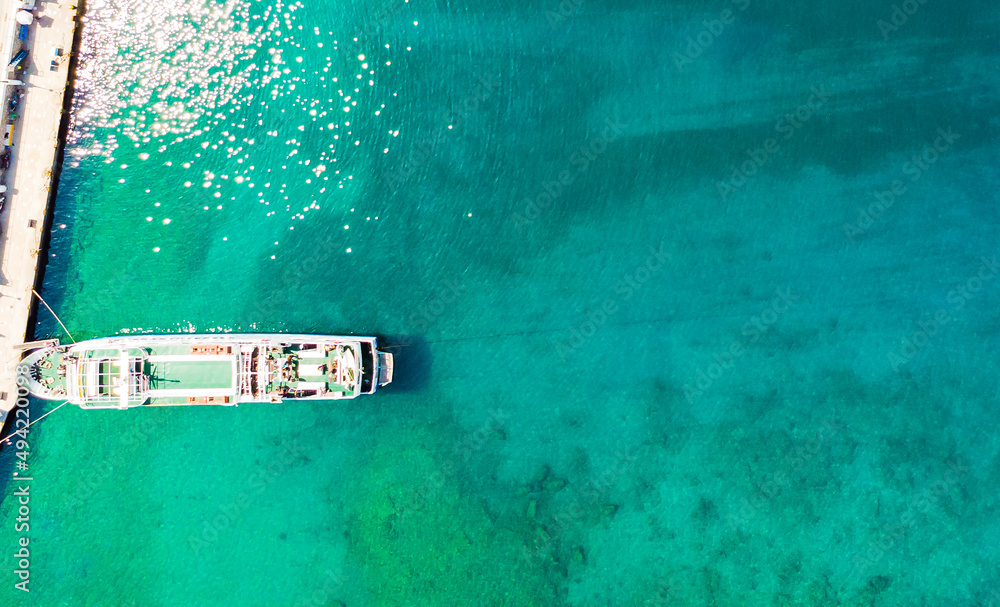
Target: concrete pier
34 150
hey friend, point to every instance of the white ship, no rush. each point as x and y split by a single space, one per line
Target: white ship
204 369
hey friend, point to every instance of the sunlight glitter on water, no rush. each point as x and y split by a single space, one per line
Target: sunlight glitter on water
206 80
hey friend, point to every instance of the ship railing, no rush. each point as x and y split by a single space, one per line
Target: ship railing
132 385
246 377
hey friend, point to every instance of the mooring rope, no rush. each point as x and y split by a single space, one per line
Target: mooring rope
55 315
31 423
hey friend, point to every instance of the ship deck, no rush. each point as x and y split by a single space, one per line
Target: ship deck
182 373
192 374
124 373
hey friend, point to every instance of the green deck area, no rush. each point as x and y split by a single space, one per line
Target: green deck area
191 375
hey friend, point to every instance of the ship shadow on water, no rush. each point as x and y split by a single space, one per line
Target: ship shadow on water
412 360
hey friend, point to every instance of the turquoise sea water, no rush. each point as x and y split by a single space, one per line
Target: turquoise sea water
695 304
